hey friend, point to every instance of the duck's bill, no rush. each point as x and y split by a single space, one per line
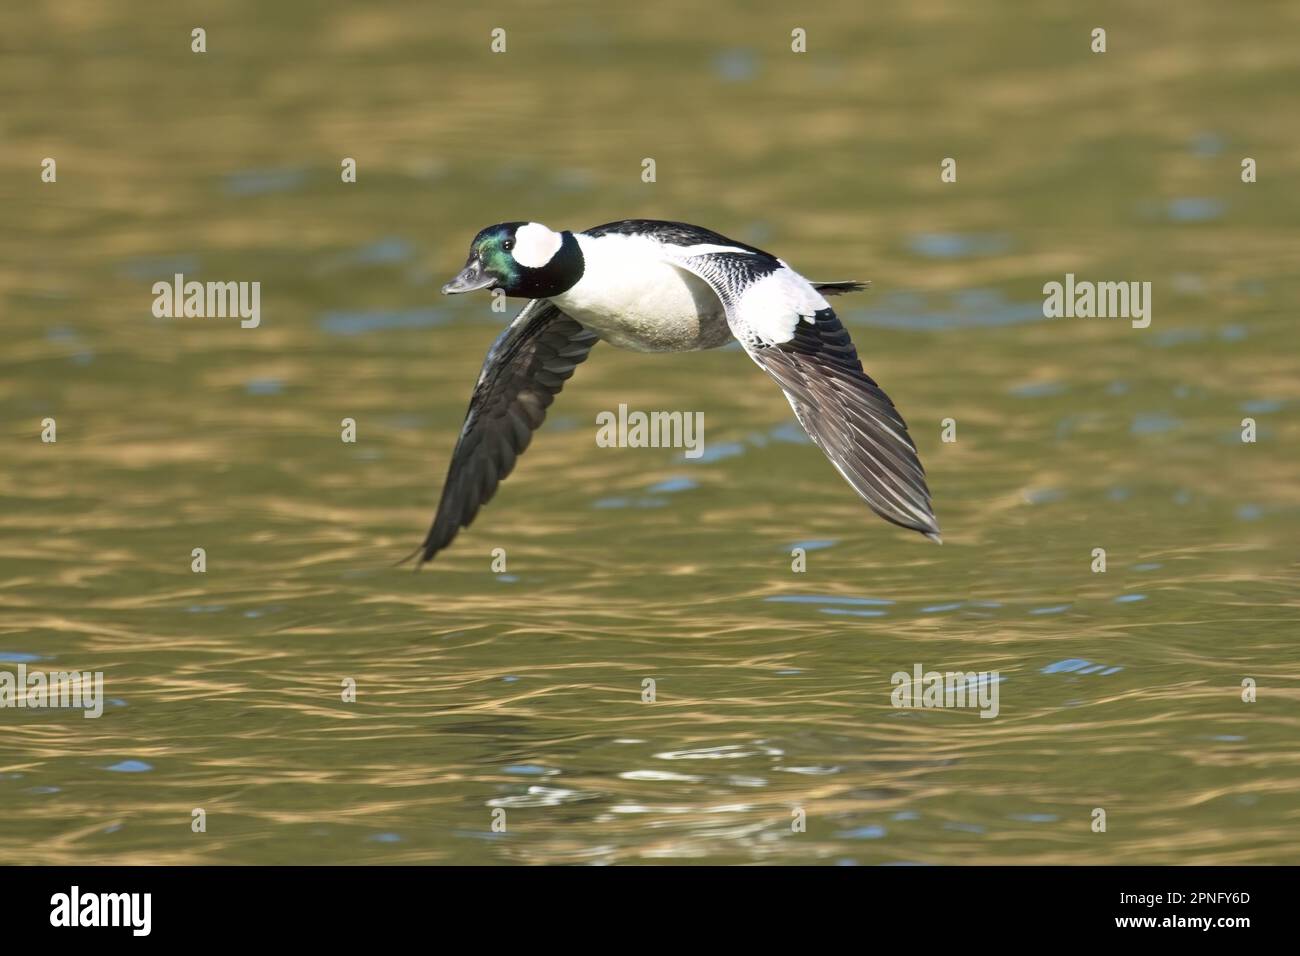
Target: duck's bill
471 279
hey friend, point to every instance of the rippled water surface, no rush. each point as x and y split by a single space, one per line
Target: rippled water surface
480 691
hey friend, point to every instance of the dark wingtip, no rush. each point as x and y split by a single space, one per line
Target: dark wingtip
424 554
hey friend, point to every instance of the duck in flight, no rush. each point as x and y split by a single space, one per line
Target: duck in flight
653 286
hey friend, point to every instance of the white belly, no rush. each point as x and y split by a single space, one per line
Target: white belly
633 299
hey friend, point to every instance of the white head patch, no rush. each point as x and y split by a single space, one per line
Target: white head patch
535 245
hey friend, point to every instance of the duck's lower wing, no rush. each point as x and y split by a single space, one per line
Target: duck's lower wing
792 333
524 370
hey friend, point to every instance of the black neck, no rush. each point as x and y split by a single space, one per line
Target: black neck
568 265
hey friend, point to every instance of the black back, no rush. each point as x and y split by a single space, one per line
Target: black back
670 233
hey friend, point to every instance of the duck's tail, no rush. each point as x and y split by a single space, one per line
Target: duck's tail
839 288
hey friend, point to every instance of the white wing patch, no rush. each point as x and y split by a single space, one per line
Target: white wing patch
764 310
535 245
772 307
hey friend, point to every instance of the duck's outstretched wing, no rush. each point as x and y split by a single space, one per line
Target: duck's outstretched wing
524 370
792 333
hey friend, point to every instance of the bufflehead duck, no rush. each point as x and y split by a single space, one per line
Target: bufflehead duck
653 286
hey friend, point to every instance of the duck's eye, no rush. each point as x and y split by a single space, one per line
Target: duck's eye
508 245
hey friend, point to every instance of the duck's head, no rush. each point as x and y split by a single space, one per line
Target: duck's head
523 259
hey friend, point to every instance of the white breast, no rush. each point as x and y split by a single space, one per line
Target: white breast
633 297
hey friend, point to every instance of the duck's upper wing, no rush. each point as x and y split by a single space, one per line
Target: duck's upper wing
524 370
793 334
